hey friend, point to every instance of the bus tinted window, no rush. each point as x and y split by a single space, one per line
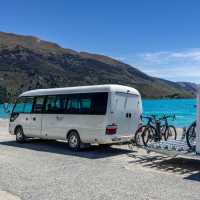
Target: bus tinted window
54 104
23 105
85 105
19 106
28 104
99 103
90 103
38 105
73 106
78 104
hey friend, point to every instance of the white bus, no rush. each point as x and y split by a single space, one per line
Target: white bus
100 114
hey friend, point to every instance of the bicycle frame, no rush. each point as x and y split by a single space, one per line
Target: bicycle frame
156 124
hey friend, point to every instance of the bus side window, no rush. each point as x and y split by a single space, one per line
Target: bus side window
99 103
23 105
78 104
28 104
38 104
54 104
19 106
50 104
73 106
86 103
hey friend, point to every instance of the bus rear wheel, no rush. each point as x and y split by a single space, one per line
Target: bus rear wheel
20 137
74 141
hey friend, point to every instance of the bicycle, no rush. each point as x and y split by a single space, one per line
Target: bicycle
138 133
169 130
191 136
157 131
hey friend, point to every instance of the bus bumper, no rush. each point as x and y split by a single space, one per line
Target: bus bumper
115 139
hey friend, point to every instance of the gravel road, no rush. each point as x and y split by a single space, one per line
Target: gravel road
48 170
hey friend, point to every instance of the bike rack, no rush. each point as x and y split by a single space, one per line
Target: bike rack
179 148
173 148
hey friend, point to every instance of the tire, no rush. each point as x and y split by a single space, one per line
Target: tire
138 135
170 133
191 136
20 137
162 131
148 135
74 141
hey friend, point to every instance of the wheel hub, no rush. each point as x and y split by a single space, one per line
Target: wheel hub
19 135
73 141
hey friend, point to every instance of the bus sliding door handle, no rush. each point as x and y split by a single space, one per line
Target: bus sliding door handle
59 118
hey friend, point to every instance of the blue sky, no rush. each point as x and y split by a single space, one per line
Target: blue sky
160 37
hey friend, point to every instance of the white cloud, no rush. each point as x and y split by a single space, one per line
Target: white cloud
189 54
183 65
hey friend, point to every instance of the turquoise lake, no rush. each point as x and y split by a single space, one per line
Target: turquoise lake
183 109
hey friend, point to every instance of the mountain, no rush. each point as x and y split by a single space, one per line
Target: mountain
192 87
26 62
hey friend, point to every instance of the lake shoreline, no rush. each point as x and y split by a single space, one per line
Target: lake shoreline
184 109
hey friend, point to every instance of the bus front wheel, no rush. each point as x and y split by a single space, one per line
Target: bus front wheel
20 137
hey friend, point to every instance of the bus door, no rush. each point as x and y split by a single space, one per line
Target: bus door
35 119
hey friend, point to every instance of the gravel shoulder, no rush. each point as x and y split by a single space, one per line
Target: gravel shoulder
48 170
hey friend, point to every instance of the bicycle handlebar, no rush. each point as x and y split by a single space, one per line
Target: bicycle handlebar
168 116
153 117
146 117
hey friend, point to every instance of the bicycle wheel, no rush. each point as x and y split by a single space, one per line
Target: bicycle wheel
170 133
191 136
148 135
138 135
162 131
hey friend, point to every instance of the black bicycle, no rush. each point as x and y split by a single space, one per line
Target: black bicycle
140 130
191 136
157 131
169 130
